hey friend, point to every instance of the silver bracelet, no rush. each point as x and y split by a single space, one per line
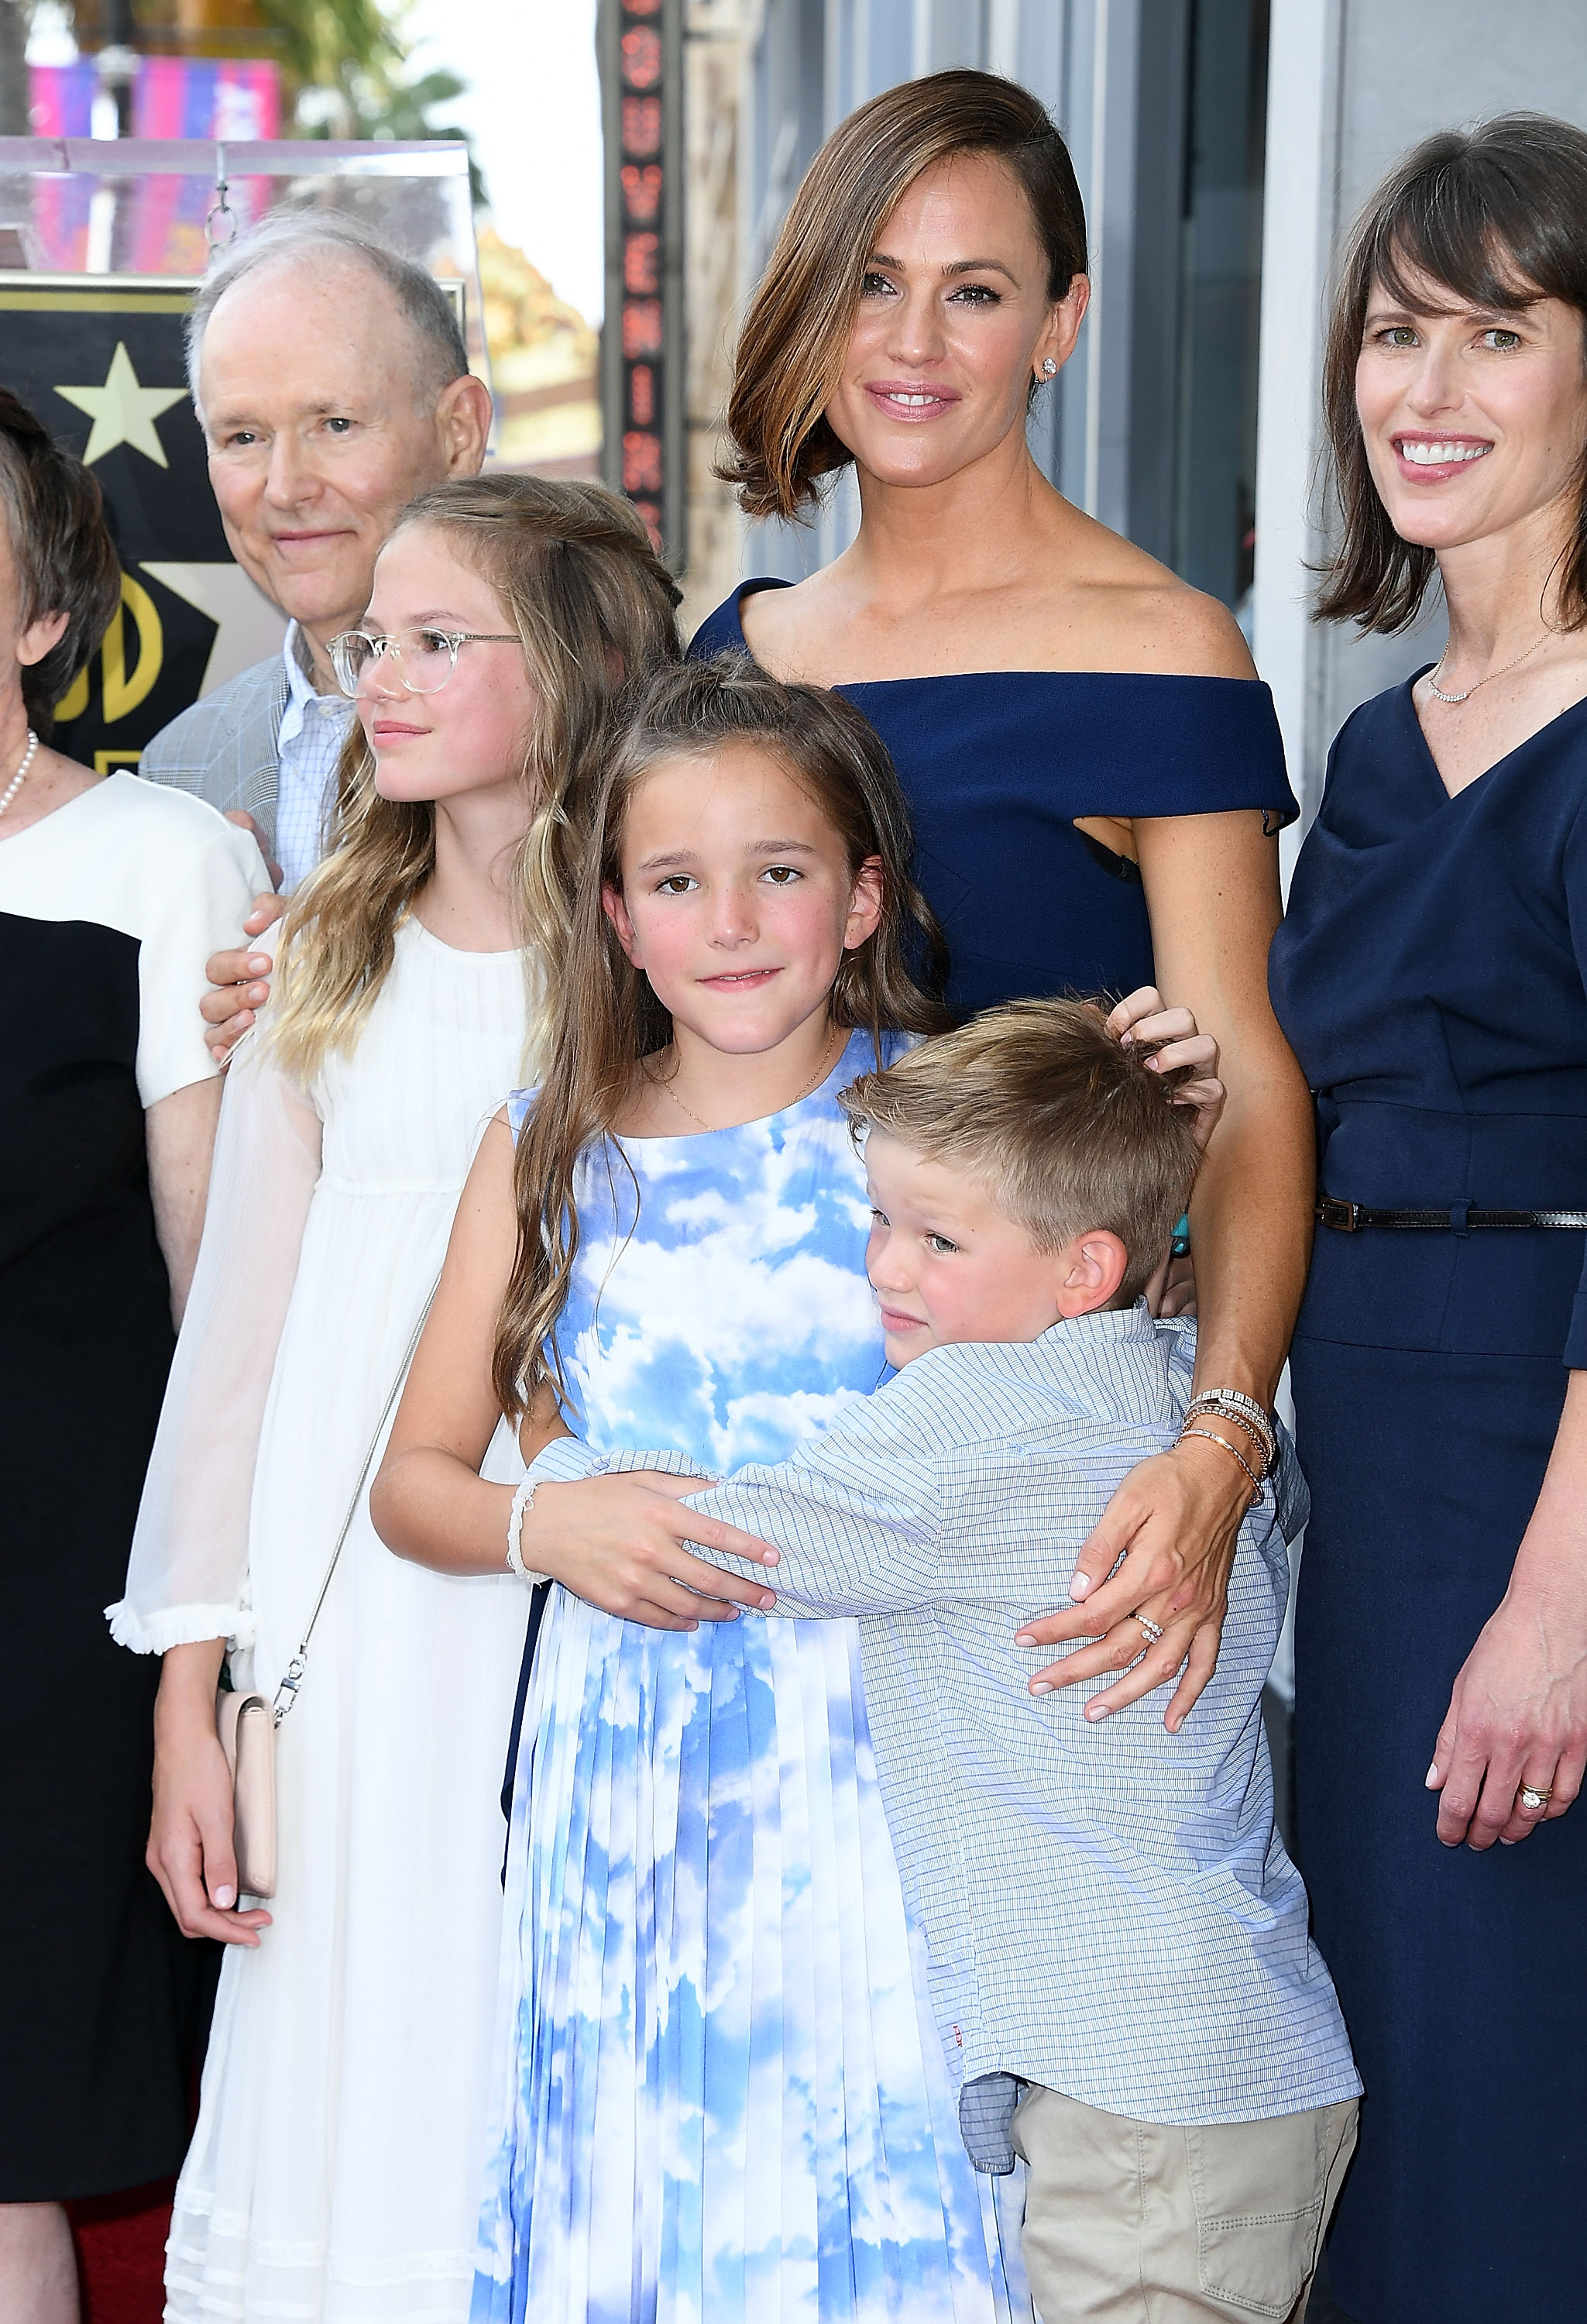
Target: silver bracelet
1213 1437
522 1500
1229 1404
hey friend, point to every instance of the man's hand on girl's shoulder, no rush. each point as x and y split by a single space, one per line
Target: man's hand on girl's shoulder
239 982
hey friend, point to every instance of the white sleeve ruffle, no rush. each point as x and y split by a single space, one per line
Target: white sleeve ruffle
187 1579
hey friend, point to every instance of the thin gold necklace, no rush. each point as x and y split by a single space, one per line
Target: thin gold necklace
1453 698
819 1076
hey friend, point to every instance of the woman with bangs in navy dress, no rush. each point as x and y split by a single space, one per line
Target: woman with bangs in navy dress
1433 976
1096 775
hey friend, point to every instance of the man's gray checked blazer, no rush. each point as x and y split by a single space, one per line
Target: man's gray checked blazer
226 748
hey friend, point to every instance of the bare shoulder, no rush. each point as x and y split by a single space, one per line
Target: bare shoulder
1075 597
1177 632
1151 620
783 628
1181 633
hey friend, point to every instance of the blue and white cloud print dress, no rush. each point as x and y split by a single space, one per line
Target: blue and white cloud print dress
720 2095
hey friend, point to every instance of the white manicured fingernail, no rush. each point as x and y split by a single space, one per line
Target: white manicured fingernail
1079 1585
1040 1686
1433 1776
225 1898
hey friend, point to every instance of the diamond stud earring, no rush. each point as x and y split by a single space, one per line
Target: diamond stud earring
1049 369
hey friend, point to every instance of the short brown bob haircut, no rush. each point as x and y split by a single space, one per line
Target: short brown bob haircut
791 348
1495 217
66 562
1065 1127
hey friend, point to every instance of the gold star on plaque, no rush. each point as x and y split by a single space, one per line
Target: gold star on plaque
122 411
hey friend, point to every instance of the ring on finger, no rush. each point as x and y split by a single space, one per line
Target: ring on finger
1154 1631
1533 1796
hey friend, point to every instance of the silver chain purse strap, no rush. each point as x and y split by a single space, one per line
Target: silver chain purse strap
286 1693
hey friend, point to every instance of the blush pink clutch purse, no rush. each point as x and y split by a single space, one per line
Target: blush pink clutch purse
246 1724
246 1728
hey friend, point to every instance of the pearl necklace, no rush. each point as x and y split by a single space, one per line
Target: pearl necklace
17 780
1453 698
822 1070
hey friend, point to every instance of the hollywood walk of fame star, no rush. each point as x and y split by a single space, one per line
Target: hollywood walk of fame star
122 411
248 627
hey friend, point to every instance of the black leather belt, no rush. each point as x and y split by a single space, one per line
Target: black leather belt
1347 1217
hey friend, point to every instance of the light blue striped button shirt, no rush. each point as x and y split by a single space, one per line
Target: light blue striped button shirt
1108 1909
313 728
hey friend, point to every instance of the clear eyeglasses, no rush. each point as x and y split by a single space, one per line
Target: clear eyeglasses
424 660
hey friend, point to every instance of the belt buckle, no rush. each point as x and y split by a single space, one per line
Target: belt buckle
1333 1212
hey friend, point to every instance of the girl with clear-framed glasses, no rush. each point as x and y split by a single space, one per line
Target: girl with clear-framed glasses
337 2161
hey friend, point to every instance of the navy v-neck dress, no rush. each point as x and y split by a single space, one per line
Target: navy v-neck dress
996 767
1432 978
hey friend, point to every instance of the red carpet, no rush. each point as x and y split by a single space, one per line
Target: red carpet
121 2251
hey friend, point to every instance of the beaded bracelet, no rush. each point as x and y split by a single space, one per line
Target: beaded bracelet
522 1500
1233 1450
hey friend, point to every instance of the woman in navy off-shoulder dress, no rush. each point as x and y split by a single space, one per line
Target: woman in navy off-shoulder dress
1432 975
1096 775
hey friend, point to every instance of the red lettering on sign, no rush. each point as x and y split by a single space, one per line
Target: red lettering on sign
640 253
641 193
641 328
641 462
641 395
641 127
641 59
642 7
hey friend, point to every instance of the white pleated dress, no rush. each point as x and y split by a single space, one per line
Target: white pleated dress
336 2167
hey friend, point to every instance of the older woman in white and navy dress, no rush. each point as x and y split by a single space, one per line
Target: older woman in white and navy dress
113 894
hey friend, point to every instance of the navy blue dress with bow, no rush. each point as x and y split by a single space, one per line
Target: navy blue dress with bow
996 767
1432 978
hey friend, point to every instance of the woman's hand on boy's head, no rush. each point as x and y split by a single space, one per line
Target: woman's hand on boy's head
1172 1290
1142 1016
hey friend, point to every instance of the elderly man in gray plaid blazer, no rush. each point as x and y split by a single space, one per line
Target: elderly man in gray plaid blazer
332 384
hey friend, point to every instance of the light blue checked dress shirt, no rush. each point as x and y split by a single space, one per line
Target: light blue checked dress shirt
1108 1909
313 728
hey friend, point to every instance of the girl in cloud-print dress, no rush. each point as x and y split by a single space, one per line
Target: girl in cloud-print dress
720 2094
709 1899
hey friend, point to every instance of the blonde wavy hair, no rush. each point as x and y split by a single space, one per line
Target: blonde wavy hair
575 575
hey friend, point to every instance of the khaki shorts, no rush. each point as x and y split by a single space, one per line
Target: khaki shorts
1152 2223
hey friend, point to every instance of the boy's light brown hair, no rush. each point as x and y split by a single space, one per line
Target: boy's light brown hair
1065 1128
